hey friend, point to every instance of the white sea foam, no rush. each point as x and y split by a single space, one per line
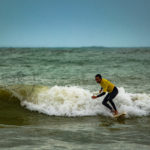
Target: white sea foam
76 101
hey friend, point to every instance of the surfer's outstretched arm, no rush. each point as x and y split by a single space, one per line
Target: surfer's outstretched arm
99 95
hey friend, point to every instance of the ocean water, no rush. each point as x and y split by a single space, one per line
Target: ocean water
45 98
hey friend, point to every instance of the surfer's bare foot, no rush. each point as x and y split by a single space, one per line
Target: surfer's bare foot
115 112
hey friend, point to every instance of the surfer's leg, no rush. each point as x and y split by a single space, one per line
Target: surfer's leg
112 96
104 102
113 105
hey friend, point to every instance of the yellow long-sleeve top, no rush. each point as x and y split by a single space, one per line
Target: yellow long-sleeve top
107 85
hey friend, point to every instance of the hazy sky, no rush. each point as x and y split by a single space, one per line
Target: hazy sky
58 23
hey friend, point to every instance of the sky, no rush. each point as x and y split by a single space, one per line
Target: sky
74 23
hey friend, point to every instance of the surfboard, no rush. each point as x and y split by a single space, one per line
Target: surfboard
120 115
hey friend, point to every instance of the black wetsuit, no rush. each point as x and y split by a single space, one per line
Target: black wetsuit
109 97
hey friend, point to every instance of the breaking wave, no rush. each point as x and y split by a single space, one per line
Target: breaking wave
73 101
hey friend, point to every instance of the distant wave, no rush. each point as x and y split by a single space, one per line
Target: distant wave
73 101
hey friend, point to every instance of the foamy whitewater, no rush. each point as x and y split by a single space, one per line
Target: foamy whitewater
76 101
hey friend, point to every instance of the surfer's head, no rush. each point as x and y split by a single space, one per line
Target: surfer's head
98 78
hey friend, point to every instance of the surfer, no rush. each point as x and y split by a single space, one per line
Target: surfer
107 86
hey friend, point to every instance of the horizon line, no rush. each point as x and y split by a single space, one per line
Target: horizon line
75 47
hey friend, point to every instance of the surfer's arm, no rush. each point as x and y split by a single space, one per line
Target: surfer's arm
94 97
101 94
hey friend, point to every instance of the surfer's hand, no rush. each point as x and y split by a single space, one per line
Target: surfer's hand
94 97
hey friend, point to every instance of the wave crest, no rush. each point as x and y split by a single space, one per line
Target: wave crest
74 101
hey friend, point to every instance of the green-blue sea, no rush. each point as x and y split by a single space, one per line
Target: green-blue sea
45 98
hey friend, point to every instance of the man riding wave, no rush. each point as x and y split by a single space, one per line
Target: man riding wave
107 86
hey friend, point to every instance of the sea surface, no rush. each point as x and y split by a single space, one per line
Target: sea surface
45 99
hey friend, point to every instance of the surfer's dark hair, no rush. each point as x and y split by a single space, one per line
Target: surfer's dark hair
98 75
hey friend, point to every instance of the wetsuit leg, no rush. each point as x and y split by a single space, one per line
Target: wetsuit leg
112 96
106 99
